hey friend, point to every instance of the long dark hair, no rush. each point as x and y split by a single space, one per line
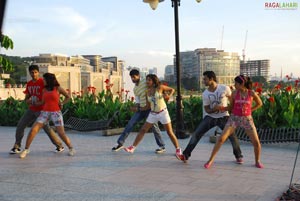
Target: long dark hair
241 79
154 79
51 81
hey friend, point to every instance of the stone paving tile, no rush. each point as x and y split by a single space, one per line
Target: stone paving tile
97 173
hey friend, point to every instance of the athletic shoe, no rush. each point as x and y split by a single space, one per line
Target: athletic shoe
239 161
178 154
130 149
15 151
184 158
207 165
160 150
24 153
59 149
259 165
118 147
71 152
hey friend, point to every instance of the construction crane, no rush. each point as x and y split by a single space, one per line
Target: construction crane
244 49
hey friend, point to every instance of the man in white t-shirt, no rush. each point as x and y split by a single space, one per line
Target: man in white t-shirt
215 113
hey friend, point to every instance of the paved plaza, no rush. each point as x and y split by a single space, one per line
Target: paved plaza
97 173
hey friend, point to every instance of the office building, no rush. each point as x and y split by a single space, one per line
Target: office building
256 68
226 65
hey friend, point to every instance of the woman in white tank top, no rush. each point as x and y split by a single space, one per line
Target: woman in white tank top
156 96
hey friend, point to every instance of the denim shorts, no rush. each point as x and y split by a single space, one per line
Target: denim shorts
56 117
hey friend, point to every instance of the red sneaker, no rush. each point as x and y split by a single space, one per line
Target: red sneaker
178 154
207 165
130 149
259 165
239 161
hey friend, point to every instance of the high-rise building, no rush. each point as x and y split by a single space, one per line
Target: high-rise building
255 68
153 70
143 72
169 74
226 65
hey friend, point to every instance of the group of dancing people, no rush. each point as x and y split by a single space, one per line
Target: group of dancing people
221 107
218 102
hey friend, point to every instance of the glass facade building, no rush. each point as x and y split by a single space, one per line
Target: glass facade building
226 65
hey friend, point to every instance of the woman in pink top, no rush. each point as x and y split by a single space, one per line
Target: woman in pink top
51 111
241 116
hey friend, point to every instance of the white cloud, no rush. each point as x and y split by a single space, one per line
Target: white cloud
71 18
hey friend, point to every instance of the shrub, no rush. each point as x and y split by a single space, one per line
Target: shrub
11 110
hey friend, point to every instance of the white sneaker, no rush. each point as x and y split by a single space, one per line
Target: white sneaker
160 150
59 149
71 152
15 151
24 153
118 147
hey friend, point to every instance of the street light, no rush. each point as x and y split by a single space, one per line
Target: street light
180 131
153 3
2 9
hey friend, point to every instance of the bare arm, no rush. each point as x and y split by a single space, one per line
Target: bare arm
231 101
221 108
166 91
65 94
257 100
27 99
209 110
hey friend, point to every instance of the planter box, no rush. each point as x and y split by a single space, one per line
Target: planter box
111 132
105 132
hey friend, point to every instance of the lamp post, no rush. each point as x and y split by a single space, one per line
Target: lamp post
180 131
2 9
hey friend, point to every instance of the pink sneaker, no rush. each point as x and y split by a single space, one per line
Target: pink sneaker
239 161
207 165
259 165
130 149
178 154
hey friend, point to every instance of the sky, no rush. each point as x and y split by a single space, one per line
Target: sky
141 37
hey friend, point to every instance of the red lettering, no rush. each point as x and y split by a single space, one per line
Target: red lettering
266 5
273 5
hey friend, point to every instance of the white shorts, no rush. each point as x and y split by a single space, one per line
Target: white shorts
56 117
162 117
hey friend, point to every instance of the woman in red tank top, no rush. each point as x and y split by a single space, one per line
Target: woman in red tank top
51 111
241 116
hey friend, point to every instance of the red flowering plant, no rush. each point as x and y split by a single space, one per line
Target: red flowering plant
281 106
108 94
